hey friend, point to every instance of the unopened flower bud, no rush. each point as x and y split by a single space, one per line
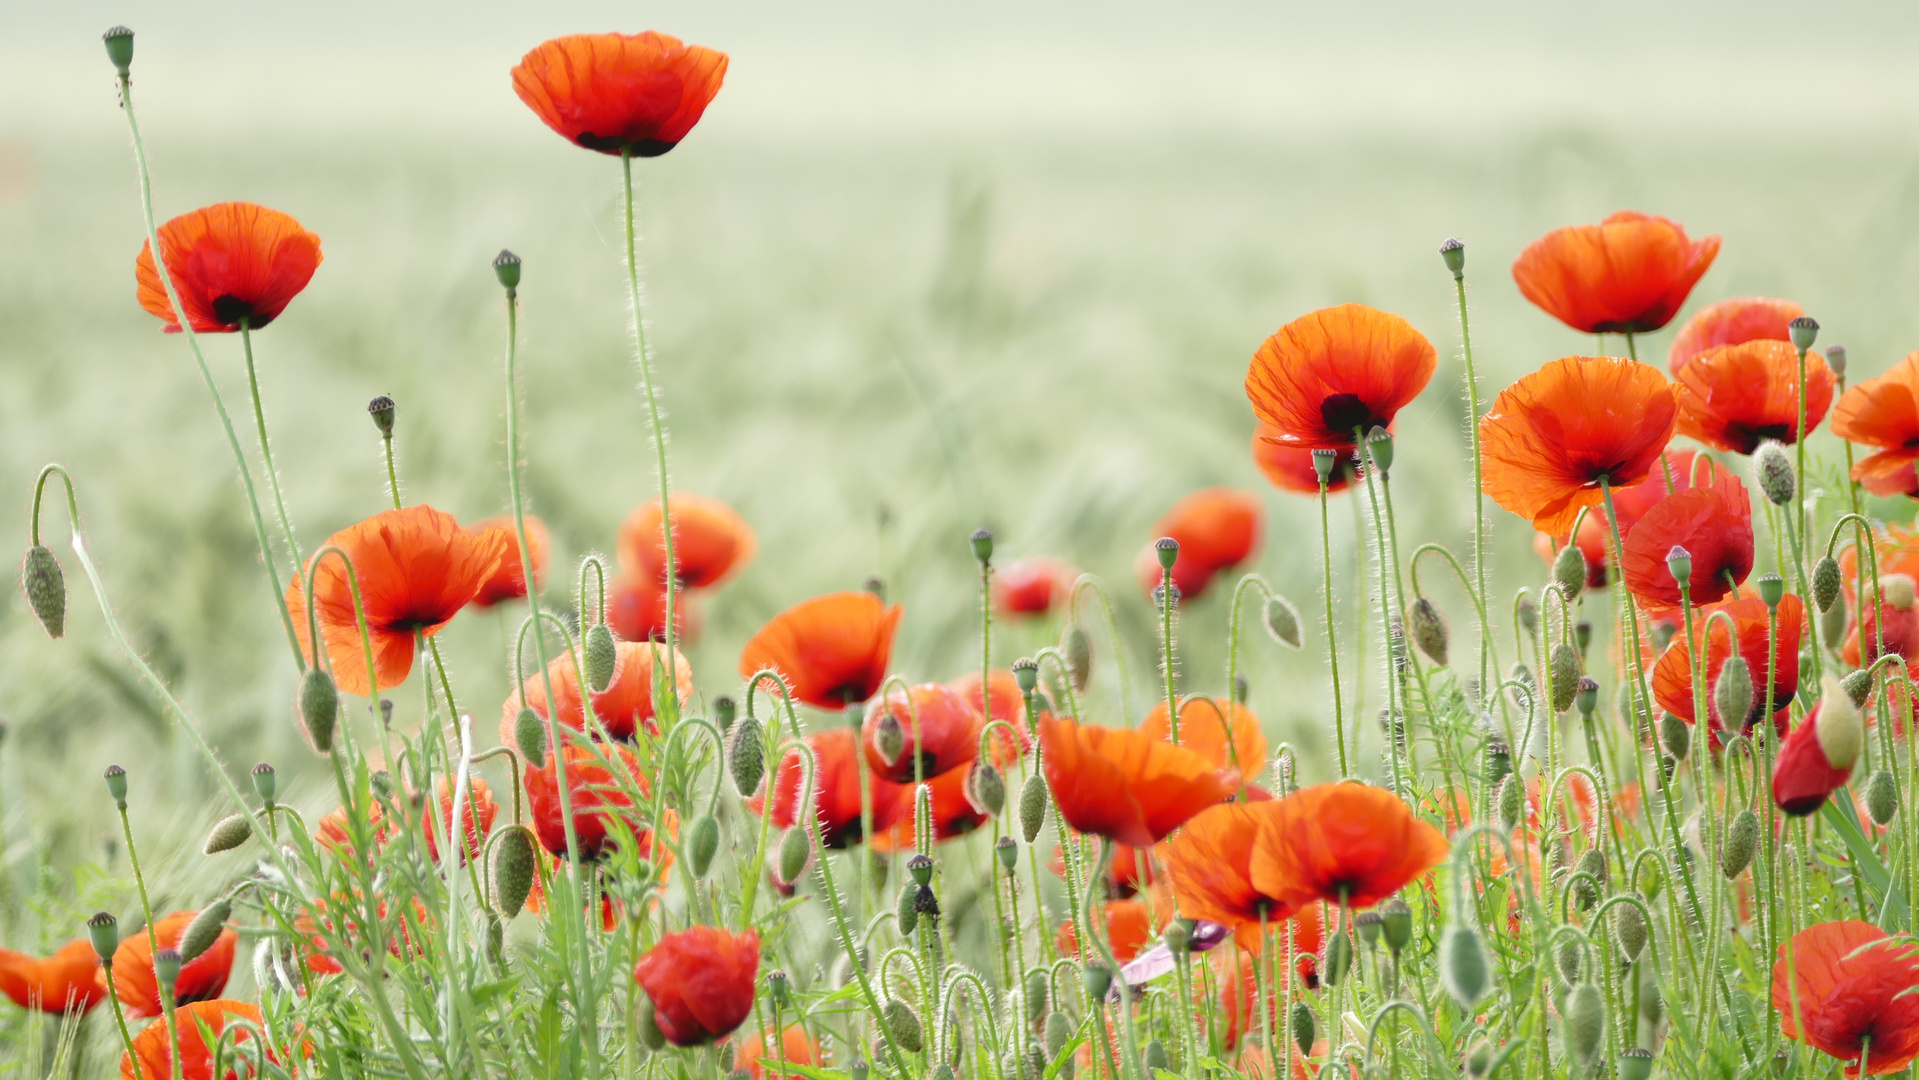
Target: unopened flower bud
1593 864
702 843
906 912
889 738
1804 331
1585 1013
1570 570
46 588
1528 614
1825 582
104 931
1629 929
205 929
1679 565
1462 965
602 656
1077 649
985 789
1882 797
228 833
319 708
1059 1031
1098 979
1732 693
1032 807
1156 1059
746 757
1568 962
382 410
510 870
1007 848
1582 637
1428 629
1166 549
902 1025
506 267
1565 669
1037 984
1675 735
723 713
1479 1058
796 850
1367 925
1897 591
1836 359
1742 837
166 970
1511 800
1840 728
647 1026
117 785
1858 686
1282 621
1772 468
1454 253
1339 958
1833 623
1179 936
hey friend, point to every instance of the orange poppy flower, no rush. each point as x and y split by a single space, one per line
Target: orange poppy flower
1129 929
201 978
1126 785
1627 275
1884 412
636 610
1342 843
1217 529
1672 474
1032 587
1291 468
1733 397
711 541
1550 437
835 791
832 650
1713 522
1672 675
1895 551
1008 704
228 262
1334 374
1895 617
62 983
417 569
1127 872
700 981
751 1054
938 733
1732 322
1203 727
1804 773
1853 983
1211 864
509 578
623 708
152 1057
954 813
600 799
637 93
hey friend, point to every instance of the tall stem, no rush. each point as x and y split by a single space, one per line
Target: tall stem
1166 591
1479 496
1332 631
266 445
153 946
653 414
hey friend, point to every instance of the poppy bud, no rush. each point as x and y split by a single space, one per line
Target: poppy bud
1818 755
119 41
1742 837
1858 686
1077 650
1593 862
746 757
1882 797
1582 637
1732 692
1633 1064
907 913
796 850
1836 359
1529 613
1007 848
1166 549
1097 980
1499 762
1032 807
1832 624
1324 462
1840 727
1036 988
1804 331
1058 1032
1479 1058
1569 570
1156 1059
104 931
1379 445
1771 588
1585 1023
1282 621
902 1025
1568 963
1772 469
1178 936
702 843
1339 958
382 409
205 929
601 657
1679 565
1428 630
1565 668
1396 920
1302 1027
1454 253
889 738
1675 735
319 708
46 588
1462 965
510 870
1511 800
1586 697
1897 590
228 833
117 785
506 267
1629 929
984 788
1825 582
1652 1004
982 541
647 1026
1367 924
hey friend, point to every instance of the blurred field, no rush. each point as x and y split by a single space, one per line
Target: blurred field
909 277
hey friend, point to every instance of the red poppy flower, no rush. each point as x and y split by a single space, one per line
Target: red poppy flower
1672 675
228 262
152 1057
1672 474
1853 983
752 1055
954 813
1291 468
1126 785
600 800
1129 929
836 790
1008 704
1335 374
1733 397
832 650
1203 727
1732 322
1817 757
623 708
1129 870
1628 275
1884 412
1894 619
938 732
201 978
700 981
711 541
636 610
1713 522
1342 843
637 93
509 578
1211 864
417 569
1217 529
1032 587
62 983
1550 437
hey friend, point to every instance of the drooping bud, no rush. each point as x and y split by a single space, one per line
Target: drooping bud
382 409
117 785
263 782
1565 668
1511 800
1528 613
1742 837
1585 1014
1836 359
46 588
1007 848
1858 686
1732 692
889 738
510 870
1077 650
746 757
1037 984
1499 762
647 1026
1882 797
601 657
205 929
1897 591
1462 965
1454 253
702 843
119 41
902 1025
1629 929
1804 331
228 833
1428 629
1832 624
1396 924
1166 550
1479 1058
1679 565
1059 1031
1570 570
1302 1027
1379 447
1097 979
1772 469
985 789
1582 636
723 712
1568 962
907 914
1840 727
1156 1059
1771 589
796 850
1282 621
506 267
319 708
1634 1064
1592 863
1032 807
1675 735
104 931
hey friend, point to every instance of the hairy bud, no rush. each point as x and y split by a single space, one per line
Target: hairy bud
1077 650
1675 735
1882 797
902 1025
1511 800
228 833
985 789
510 870
796 850
1772 469
646 1026
1565 669
1428 629
319 708
205 929
746 757
1858 686
1032 807
1282 621
529 731
1097 979
702 843
1462 965
1302 1026
1339 959
1585 1014
1593 862
907 913
1629 929
1732 693
1570 570
602 656
46 589
1742 837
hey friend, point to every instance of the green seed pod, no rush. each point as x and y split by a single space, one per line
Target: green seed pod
1178 936
1825 582
228 833
1428 629
1059 1032
1832 624
1077 649
1008 851
1462 965
1882 797
1454 254
264 782
205 929
1679 565
601 657
1675 735
858 1070
746 757
1593 862
166 970
921 868
1282 621
1732 692
1585 1023
702 843
319 708
1032 807
119 48
1339 959
1772 468
1634 1064
1569 570
1396 920
46 589
1097 979
1156 1059
1565 668
510 870
1367 925
1629 929
1771 589
506 267
1742 837
902 1025
1511 800
104 931
648 1028
1302 1027
1499 763
1858 687
1586 698
1037 985
909 916
985 789
529 731
796 850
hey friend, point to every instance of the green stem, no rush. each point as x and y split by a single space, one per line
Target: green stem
1479 495
153 945
1332 632
266 446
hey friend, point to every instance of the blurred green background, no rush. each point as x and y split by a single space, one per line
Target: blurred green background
917 271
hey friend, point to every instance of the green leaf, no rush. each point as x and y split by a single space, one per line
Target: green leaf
1841 815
